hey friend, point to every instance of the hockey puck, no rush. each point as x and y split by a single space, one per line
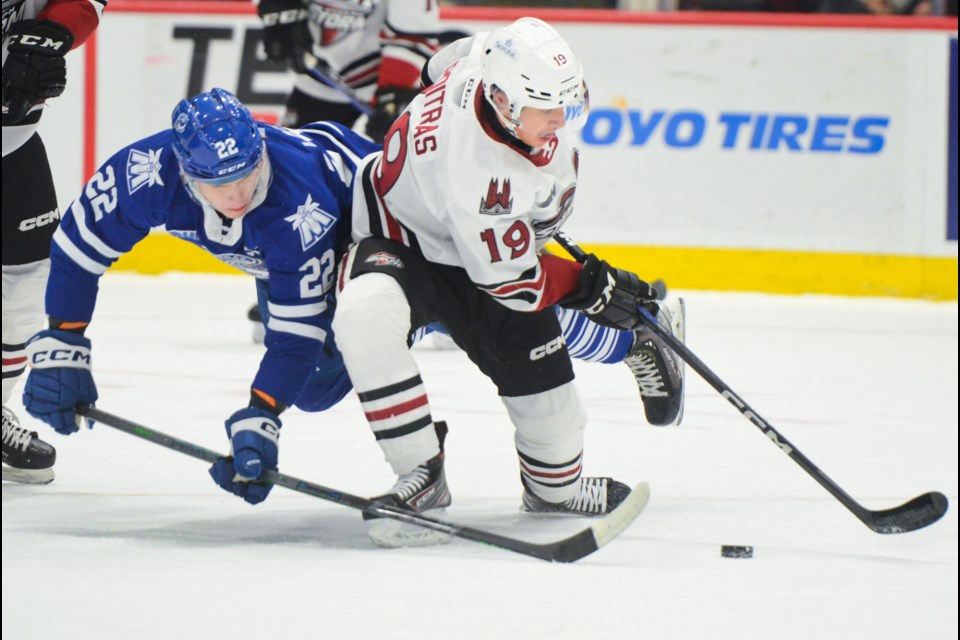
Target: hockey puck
731 551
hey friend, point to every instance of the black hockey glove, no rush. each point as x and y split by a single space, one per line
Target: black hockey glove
390 103
286 34
35 69
609 296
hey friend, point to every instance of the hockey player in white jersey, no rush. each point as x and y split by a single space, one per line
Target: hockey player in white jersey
37 34
448 222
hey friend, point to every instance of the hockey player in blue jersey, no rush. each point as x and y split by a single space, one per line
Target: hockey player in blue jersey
265 199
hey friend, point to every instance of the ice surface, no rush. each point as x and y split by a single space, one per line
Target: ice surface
135 541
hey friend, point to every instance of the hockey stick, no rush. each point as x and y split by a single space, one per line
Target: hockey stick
568 549
915 514
333 80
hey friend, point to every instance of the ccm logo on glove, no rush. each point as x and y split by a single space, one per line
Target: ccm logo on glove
43 42
60 354
605 296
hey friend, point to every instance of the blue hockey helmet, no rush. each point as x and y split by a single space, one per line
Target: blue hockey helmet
215 138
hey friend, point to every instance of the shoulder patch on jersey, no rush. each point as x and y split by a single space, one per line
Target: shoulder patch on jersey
143 169
498 201
384 259
311 222
546 228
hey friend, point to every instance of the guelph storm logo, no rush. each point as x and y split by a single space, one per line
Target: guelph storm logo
498 201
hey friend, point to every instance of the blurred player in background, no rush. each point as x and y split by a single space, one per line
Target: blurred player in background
37 34
264 199
449 220
375 48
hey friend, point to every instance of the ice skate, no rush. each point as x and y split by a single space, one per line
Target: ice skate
658 370
422 489
26 458
596 497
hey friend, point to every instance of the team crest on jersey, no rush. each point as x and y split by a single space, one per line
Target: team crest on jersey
337 19
498 200
143 169
311 222
384 259
250 263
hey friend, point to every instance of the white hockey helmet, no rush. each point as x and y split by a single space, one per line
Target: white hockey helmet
534 66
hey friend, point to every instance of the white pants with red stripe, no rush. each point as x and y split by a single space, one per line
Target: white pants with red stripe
371 326
23 289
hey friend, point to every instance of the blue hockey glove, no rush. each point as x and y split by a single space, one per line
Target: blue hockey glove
34 68
59 379
254 438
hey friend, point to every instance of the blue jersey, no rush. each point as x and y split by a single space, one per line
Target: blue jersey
289 239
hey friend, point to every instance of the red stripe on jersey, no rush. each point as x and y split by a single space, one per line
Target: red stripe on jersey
396 409
563 278
343 270
393 228
357 78
11 362
398 73
534 285
78 16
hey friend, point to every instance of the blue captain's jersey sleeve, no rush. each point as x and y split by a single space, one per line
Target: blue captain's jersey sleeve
291 238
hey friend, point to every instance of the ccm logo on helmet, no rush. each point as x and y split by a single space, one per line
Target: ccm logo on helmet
41 220
551 347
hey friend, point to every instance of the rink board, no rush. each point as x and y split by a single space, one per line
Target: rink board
782 154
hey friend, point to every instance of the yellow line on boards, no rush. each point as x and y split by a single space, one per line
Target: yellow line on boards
790 272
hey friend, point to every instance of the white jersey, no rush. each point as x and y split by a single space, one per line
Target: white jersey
452 184
359 38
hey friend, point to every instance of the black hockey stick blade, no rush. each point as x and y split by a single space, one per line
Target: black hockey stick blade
569 549
910 516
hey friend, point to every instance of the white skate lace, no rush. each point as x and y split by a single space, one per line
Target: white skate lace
649 379
13 434
411 483
592 497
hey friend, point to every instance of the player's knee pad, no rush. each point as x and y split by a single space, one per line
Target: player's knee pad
23 290
549 425
372 317
24 286
549 439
